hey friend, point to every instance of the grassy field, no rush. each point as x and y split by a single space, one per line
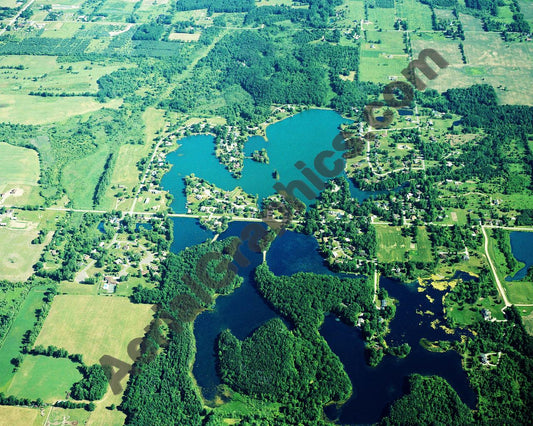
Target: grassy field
25 109
94 325
18 165
19 171
490 60
418 15
393 247
44 377
127 174
10 416
80 177
422 252
379 61
11 346
59 416
18 254
467 315
44 73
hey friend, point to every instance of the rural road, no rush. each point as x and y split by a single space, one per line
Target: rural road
3 30
498 283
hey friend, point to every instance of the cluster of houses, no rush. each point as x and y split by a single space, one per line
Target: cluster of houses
211 200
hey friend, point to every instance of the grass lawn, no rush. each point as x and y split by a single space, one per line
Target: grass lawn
18 165
44 377
519 292
11 346
10 416
469 314
94 325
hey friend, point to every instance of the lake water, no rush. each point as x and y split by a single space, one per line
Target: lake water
522 247
301 138
242 312
375 388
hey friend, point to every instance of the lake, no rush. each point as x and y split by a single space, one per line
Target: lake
375 388
301 138
522 247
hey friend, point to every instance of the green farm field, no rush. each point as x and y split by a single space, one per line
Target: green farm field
10 347
94 325
44 377
10 416
380 61
506 66
81 176
393 246
26 109
18 254
45 73
19 174
18 165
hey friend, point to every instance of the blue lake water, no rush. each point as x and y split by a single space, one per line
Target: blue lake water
301 137
522 247
374 389
242 312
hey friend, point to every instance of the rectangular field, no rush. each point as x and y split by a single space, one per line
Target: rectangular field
504 65
25 109
10 416
94 325
18 165
391 245
11 346
44 377
17 253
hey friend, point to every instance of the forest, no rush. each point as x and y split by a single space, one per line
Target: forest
429 400
160 386
284 366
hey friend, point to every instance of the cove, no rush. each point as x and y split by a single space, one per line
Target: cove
521 246
374 389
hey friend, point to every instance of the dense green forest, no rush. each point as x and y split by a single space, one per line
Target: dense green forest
284 366
161 387
430 400
506 391
295 366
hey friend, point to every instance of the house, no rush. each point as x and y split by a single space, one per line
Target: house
110 284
